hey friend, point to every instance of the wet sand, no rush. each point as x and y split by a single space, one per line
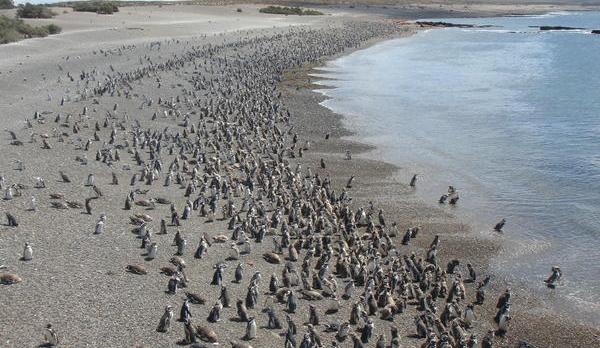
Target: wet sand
77 280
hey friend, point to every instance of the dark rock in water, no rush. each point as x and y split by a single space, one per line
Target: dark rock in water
597 31
444 25
551 27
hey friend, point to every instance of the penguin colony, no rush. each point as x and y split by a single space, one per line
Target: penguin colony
298 263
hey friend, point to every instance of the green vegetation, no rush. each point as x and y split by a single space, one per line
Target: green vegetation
100 7
34 11
289 11
6 4
15 29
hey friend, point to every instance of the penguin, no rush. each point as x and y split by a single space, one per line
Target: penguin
163 226
224 297
498 227
217 275
306 341
185 313
356 342
342 332
367 331
250 329
165 321
314 336
554 277
181 246
349 290
12 220
488 340
291 302
50 336
273 322
381 342
215 313
99 227
469 316
472 274
413 181
251 296
273 284
313 317
173 285
395 341
242 311
290 339
190 333
349 182
239 273
152 251
27 253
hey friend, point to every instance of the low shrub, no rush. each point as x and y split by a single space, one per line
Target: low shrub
12 29
100 7
289 11
6 4
34 11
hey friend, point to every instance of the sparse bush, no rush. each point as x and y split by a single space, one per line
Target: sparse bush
239 9
6 4
34 11
100 7
289 11
15 29
53 29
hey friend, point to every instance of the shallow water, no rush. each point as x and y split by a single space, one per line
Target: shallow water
508 115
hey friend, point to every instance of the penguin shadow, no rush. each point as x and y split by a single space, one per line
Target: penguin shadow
236 320
414 335
45 345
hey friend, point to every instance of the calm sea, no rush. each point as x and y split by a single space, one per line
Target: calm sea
510 116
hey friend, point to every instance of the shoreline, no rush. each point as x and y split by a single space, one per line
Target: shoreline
462 239
577 309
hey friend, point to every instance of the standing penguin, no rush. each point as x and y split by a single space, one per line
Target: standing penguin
173 285
50 336
313 318
469 316
12 220
99 226
239 273
165 321
217 275
215 313
27 253
273 322
395 341
152 251
488 340
273 283
190 333
224 297
367 331
242 311
413 181
342 332
185 313
381 342
250 329
292 302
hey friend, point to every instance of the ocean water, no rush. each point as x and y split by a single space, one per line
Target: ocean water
510 116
